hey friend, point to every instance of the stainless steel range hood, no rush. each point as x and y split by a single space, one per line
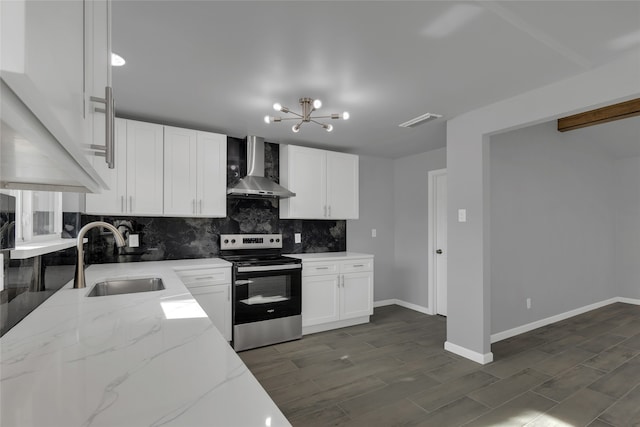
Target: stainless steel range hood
255 184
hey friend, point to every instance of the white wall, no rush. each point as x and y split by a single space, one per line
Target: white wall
552 223
376 211
627 227
410 175
469 260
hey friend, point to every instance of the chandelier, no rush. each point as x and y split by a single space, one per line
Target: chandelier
308 106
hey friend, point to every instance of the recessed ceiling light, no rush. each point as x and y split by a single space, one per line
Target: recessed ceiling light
419 120
117 60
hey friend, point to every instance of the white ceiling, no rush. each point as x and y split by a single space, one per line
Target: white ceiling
218 65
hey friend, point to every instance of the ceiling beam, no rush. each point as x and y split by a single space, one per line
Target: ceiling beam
600 115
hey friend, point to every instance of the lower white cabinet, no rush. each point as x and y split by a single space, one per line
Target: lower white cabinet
211 287
336 293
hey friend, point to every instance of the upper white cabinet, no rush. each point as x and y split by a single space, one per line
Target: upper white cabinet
194 173
136 183
49 66
325 183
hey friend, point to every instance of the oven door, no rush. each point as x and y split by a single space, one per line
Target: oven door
266 292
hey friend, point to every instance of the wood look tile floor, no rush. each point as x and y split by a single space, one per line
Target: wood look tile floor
583 371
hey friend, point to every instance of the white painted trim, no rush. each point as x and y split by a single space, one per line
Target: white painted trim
414 307
553 319
469 354
410 306
384 302
431 219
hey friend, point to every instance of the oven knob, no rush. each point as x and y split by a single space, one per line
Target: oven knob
226 240
271 240
277 240
233 240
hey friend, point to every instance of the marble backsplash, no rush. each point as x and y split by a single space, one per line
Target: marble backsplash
167 238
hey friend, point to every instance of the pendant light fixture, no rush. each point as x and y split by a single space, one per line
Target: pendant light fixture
308 106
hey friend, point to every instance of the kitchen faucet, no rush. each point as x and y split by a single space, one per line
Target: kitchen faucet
79 280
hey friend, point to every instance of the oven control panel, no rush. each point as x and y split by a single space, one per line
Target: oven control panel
250 241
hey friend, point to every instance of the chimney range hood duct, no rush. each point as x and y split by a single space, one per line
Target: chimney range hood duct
255 184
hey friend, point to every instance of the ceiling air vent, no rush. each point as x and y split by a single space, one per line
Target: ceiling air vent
419 120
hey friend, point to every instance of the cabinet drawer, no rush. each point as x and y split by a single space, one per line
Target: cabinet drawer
356 265
204 276
319 268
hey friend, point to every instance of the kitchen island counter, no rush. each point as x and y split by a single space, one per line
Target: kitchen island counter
139 359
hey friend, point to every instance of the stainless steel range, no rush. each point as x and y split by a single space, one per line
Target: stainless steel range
266 290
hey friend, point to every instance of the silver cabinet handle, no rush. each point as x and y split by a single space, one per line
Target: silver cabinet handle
193 206
121 203
130 203
358 265
110 123
322 268
228 297
200 202
329 211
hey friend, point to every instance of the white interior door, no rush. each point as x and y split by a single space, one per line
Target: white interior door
440 242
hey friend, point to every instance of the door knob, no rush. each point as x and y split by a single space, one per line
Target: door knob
439 251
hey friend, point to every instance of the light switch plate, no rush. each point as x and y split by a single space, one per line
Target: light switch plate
374 232
134 240
298 237
462 215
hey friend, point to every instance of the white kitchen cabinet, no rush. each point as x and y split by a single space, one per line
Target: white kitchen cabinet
136 183
194 173
320 299
211 288
336 293
325 183
48 54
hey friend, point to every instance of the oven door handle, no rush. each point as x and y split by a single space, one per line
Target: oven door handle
269 268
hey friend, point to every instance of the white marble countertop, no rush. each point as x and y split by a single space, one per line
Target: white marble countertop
143 359
42 247
330 256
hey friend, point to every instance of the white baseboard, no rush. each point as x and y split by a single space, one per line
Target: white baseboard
384 302
404 304
553 319
469 354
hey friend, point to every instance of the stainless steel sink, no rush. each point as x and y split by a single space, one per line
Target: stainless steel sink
126 286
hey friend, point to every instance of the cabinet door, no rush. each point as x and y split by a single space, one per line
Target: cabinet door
112 200
320 302
144 168
179 171
357 295
211 168
216 302
304 174
43 63
342 186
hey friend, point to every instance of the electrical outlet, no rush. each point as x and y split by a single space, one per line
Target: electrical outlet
374 232
528 303
297 237
462 215
134 240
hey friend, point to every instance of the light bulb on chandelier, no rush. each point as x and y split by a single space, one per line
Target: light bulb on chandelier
308 106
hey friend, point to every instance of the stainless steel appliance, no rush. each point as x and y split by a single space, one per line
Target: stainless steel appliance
255 184
266 292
